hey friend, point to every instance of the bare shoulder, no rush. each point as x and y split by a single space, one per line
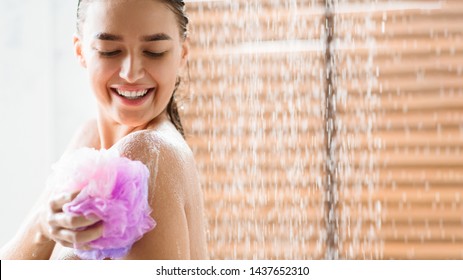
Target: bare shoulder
168 158
163 150
173 187
86 136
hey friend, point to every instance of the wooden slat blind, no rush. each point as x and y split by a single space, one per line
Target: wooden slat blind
421 60
253 108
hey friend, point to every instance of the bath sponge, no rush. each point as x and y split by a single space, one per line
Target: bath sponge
112 188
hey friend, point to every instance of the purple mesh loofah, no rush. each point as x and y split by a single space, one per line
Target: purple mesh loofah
114 189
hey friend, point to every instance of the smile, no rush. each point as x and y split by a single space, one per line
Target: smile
132 94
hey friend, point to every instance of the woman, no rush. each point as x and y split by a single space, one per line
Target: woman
134 52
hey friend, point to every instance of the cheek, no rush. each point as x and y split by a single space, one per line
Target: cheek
165 73
101 71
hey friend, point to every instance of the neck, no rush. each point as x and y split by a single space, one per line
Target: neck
111 131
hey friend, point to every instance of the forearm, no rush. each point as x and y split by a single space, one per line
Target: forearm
28 244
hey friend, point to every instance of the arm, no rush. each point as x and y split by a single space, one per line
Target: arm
167 184
33 240
30 242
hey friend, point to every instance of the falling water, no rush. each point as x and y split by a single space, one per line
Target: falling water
259 107
350 103
285 114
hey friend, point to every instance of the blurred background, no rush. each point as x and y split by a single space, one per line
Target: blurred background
322 129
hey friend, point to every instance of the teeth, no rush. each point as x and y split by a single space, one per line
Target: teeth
132 94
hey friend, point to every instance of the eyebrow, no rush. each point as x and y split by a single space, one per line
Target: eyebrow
108 37
156 37
149 38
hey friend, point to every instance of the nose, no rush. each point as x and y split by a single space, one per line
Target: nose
132 69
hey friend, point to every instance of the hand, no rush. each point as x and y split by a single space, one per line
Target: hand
66 229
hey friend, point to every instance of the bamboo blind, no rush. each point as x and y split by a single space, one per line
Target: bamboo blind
254 110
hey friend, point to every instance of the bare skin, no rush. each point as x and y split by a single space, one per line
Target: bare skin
175 194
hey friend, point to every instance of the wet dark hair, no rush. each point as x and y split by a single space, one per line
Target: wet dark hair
178 8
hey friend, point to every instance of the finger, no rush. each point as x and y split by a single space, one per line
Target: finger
90 234
66 244
84 236
57 202
79 246
84 247
70 221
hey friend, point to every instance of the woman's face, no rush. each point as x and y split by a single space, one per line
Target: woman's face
133 53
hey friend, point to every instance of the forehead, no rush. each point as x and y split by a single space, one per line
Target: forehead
129 18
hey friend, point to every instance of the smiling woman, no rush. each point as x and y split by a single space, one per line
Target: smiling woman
134 52
129 47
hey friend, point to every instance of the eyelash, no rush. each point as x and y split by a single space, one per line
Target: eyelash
149 54
109 54
153 54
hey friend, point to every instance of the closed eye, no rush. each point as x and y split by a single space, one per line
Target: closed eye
154 54
109 54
